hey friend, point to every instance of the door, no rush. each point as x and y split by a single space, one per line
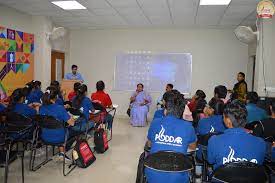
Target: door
57 66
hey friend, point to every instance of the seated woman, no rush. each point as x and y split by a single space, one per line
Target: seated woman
255 113
235 144
139 104
84 104
172 127
50 108
60 99
214 121
103 99
35 94
197 105
17 104
72 94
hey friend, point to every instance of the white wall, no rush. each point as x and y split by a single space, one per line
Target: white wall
265 58
217 55
39 26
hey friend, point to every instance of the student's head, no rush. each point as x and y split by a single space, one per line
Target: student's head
74 69
235 114
80 94
252 97
140 87
28 88
17 96
56 85
50 96
100 86
217 105
169 87
36 84
76 86
240 76
220 92
174 103
200 95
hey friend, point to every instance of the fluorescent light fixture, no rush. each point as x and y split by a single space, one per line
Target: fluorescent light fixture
215 2
69 5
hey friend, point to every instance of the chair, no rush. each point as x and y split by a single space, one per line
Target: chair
239 172
169 161
15 130
45 123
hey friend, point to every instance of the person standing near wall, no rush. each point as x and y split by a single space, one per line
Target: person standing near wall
240 89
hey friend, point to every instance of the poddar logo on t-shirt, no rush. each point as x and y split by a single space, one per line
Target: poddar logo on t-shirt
161 138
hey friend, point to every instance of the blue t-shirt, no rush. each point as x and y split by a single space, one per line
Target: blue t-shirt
24 109
59 113
2 107
35 96
255 113
159 114
235 145
59 101
169 134
210 125
85 107
71 76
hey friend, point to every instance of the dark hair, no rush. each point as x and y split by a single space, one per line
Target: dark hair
50 94
140 85
237 113
28 88
174 103
56 85
242 74
200 94
76 86
74 67
220 91
252 97
273 107
15 97
36 84
218 106
80 94
100 86
170 85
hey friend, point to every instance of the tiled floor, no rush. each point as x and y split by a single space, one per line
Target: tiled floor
117 165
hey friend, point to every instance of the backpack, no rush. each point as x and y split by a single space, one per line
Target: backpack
82 154
101 141
140 170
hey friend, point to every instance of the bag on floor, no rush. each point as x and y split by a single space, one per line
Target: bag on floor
101 141
83 156
140 170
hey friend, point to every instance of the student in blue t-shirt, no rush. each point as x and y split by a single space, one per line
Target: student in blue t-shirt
254 112
84 104
36 94
235 144
172 127
17 104
214 123
60 99
50 108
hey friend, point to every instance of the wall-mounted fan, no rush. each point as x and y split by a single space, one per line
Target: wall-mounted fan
57 32
246 34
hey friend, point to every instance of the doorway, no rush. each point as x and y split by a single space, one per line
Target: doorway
57 66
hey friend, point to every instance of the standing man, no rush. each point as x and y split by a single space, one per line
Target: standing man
240 89
74 75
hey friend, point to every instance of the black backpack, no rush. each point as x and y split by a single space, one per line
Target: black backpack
101 141
82 154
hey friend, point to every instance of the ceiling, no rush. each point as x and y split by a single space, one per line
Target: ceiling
102 14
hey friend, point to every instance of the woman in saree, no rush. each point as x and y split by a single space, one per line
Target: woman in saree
139 104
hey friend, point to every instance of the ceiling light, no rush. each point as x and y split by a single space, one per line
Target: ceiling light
69 5
215 2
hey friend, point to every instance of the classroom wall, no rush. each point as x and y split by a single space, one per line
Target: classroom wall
217 55
265 64
39 26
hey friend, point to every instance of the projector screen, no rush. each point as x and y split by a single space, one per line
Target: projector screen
154 71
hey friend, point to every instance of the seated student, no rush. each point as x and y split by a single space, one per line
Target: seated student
17 104
198 98
72 94
104 99
174 127
84 104
50 108
35 94
60 99
254 112
220 92
235 144
169 87
213 123
139 104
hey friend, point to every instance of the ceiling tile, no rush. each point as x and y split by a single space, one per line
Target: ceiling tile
245 2
123 3
102 4
104 12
